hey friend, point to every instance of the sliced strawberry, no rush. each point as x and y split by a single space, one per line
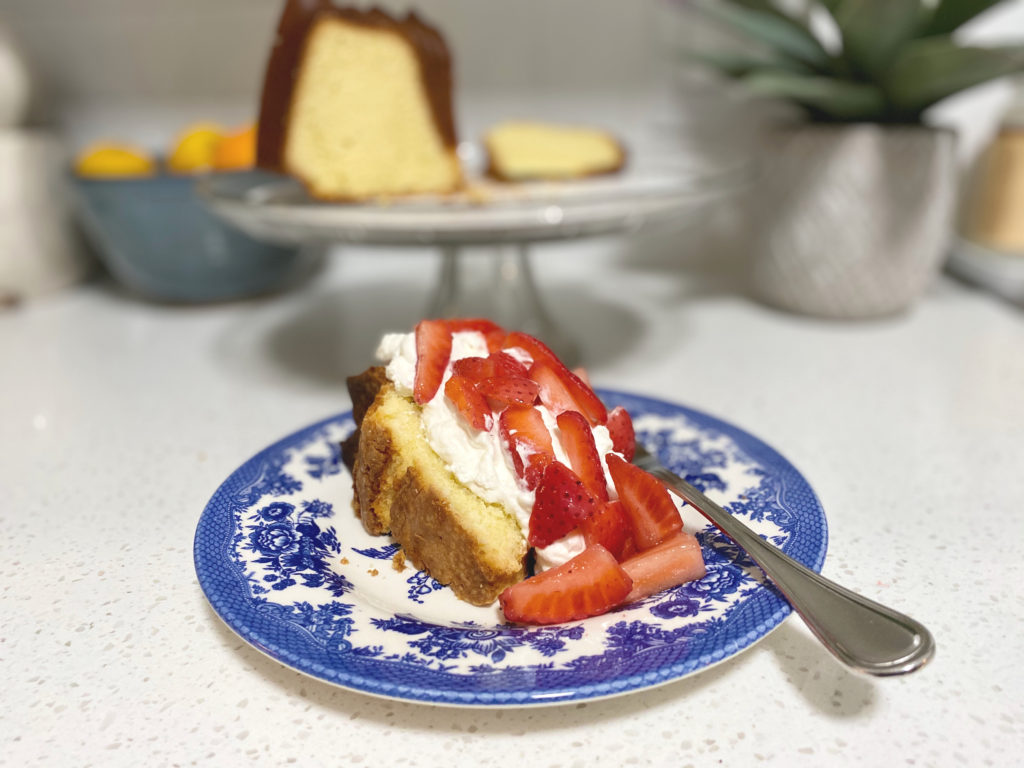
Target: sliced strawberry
675 561
588 585
506 365
609 527
562 390
563 501
496 364
652 515
528 442
503 391
493 332
582 375
433 348
471 404
578 441
536 348
620 427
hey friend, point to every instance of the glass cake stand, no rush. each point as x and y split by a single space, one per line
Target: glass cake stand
504 219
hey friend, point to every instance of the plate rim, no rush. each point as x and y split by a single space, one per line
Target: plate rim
349 675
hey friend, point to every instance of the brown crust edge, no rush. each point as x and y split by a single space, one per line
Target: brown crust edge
418 516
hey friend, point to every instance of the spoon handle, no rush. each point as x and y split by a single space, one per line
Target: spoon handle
863 634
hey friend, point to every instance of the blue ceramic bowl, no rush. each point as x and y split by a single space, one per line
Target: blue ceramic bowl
155 237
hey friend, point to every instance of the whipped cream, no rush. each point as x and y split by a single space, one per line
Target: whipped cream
478 458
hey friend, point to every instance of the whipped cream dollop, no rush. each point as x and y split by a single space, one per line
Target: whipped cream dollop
478 458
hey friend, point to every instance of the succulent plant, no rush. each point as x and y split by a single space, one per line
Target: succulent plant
886 61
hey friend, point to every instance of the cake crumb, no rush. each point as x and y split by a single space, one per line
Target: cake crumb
373 572
344 561
398 561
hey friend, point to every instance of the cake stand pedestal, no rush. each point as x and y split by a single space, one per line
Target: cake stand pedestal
503 220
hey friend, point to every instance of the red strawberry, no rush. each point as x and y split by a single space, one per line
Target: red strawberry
675 561
609 527
471 404
582 375
502 392
496 364
588 585
528 441
493 332
433 348
620 427
562 390
473 368
537 349
562 503
578 442
506 365
652 515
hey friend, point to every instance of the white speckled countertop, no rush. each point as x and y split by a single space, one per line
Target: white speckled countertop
120 418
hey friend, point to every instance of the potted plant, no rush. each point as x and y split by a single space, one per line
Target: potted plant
854 202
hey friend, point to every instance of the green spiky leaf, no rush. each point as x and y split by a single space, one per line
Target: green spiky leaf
874 31
934 68
777 31
950 15
824 96
738 64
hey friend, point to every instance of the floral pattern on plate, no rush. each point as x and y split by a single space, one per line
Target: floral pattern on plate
286 563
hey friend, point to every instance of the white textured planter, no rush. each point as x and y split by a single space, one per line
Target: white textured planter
851 221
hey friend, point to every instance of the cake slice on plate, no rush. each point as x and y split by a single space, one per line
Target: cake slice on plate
488 461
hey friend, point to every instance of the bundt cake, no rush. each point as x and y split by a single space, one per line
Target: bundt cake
357 104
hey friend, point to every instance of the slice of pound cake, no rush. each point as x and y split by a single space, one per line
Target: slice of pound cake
488 461
524 151
357 104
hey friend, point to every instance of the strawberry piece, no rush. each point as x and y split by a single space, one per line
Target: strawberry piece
433 348
674 561
588 585
528 442
506 365
620 428
496 364
473 368
578 441
493 332
470 403
563 501
652 515
582 375
609 527
535 348
502 392
562 390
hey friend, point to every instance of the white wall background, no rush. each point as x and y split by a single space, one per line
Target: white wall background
140 69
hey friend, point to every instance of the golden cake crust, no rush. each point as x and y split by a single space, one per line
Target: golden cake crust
402 486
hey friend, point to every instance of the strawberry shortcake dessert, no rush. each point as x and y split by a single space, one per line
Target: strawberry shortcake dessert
502 474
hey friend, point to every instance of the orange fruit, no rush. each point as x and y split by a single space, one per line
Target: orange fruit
113 160
236 151
193 152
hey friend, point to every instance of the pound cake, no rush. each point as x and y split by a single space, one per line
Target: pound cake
357 104
523 151
488 460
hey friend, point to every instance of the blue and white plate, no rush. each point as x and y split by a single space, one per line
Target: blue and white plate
288 566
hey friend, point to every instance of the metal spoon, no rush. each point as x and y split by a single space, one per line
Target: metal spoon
863 634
